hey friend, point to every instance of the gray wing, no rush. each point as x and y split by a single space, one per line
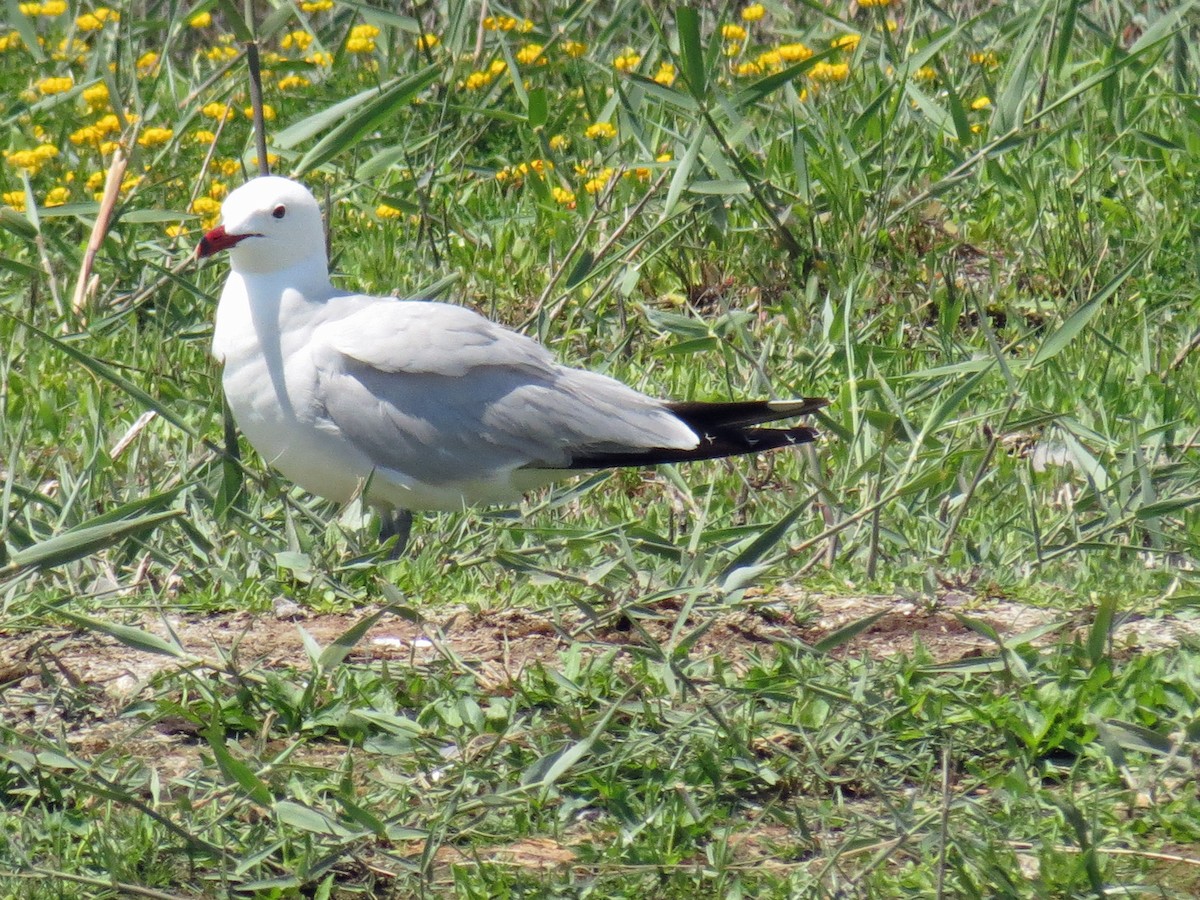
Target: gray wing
442 394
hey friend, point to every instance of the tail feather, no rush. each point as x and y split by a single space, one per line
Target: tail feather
725 429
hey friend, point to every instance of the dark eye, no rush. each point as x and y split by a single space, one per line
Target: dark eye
279 212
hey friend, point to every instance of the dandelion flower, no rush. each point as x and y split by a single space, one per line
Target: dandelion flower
200 20
203 136
57 196
384 211
754 12
733 32
747 69
205 206
146 62
316 6
215 110
14 200
981 103
665 74
563 197
847 42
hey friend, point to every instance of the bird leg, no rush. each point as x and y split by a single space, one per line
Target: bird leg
396 523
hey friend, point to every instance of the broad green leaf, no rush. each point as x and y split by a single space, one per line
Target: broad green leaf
683 172
335 653
1082 317
847 633
86 540
237 771
308 819
691 51
137 638
766 541
370 114
581 269
1101 630
538 109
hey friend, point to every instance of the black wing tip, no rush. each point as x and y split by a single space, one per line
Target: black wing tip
724 443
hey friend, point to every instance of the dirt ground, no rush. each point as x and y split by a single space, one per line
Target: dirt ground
494 646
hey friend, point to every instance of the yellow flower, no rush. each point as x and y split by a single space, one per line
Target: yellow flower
985 58
498 67
794 53
107 147
574 49
559 142
49 86
292 82
747 69
601 130
220 53
218 190
384 211
531 54
215 110
925 74
52 8
753 12
14 200
155 137
428 41
362 39
847 42
205 206
732 49
499 23
88 134
320 58
563 197
200 20
981 103
96 96
664 157
268 112
146 62
95 181
96 20
45 152
665 74
57 196
73 49
477 80
10 41
174 231
108 124
733 32
30 9
868 3
203 136
824 71
598 183
627 61
316 6
298 40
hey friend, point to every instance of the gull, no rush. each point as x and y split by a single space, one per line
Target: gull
418 405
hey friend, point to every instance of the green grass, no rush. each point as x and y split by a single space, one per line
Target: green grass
980 288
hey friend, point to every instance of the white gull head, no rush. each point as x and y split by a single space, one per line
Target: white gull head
268 225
